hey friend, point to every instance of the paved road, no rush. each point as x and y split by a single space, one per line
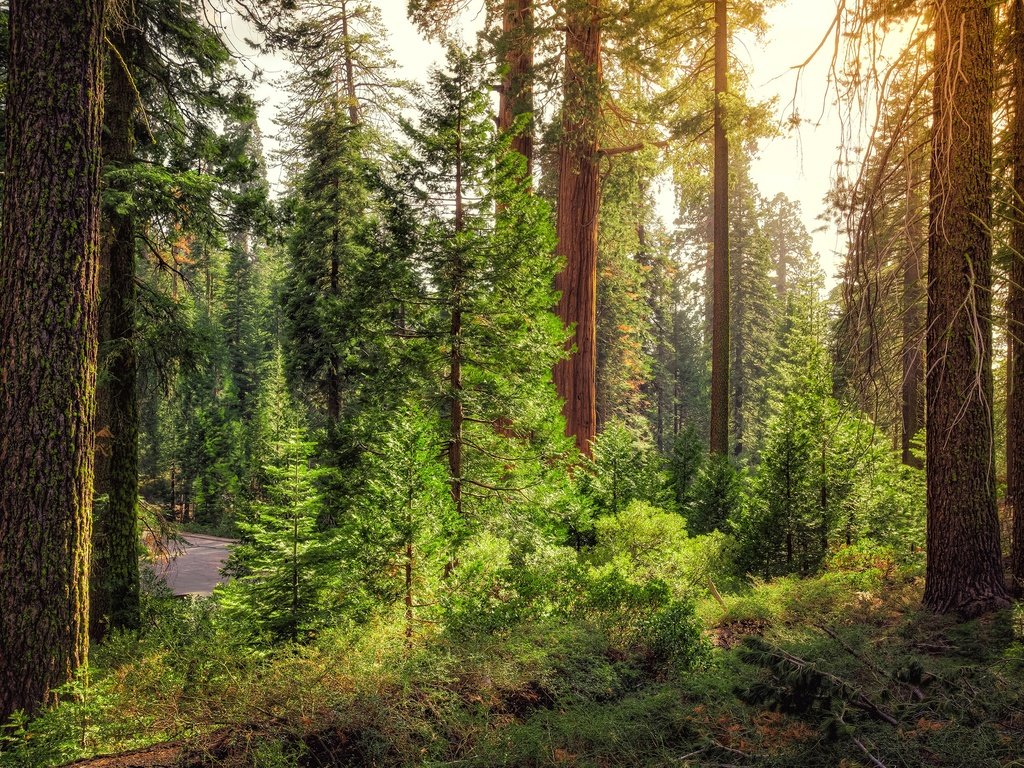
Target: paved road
195 569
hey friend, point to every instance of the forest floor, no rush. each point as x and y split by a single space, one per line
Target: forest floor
839 670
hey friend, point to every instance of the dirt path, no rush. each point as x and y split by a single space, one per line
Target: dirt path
195 569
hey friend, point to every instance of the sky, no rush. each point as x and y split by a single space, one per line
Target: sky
800 163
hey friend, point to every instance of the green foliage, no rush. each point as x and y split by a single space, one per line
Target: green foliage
717 495
399 535
284 566
625 467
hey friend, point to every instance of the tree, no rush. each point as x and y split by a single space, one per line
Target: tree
483 246
48 325
284 564
1015 309
114 585
167 81
720 219
884 211
516 45
577 219
964 571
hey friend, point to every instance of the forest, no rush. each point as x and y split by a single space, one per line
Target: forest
541 430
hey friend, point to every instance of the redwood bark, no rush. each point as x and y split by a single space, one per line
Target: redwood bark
517 89
114 582
720 289
48 325
1015 311
964 571
579 205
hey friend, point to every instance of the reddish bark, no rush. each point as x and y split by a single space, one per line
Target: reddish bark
578 210
517 89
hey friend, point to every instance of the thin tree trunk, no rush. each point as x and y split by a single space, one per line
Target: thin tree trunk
295 568
578 210
350 77
48 326
1015 312
720 301
333 360
455 340
964 571
408 593
517 89
114 583
913 366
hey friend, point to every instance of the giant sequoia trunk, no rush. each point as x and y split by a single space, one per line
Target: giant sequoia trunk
964 571
720 289
114 583
517 89
48 325
578 208
1015 311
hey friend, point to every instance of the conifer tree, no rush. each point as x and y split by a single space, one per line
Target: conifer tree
485 246
284 563
48 323
964 572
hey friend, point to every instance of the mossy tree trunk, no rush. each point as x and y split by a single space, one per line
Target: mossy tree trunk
114 584
964 572
48 331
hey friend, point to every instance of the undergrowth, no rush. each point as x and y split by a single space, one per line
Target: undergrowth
843 669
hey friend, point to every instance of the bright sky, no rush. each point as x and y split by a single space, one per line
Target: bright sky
799 163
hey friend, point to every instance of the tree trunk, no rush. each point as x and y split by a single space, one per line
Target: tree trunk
720 291
455 341
517 89
48 325
913 367
114 582
578 209
1015 312
333 359
964 571
350 77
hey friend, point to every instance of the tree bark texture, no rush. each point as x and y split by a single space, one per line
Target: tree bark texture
579 206
1015 311
964 570
48 328
720 289
114 581
517 89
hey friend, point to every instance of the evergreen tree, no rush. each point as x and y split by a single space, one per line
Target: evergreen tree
964 573
484 246
283 566
48 323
